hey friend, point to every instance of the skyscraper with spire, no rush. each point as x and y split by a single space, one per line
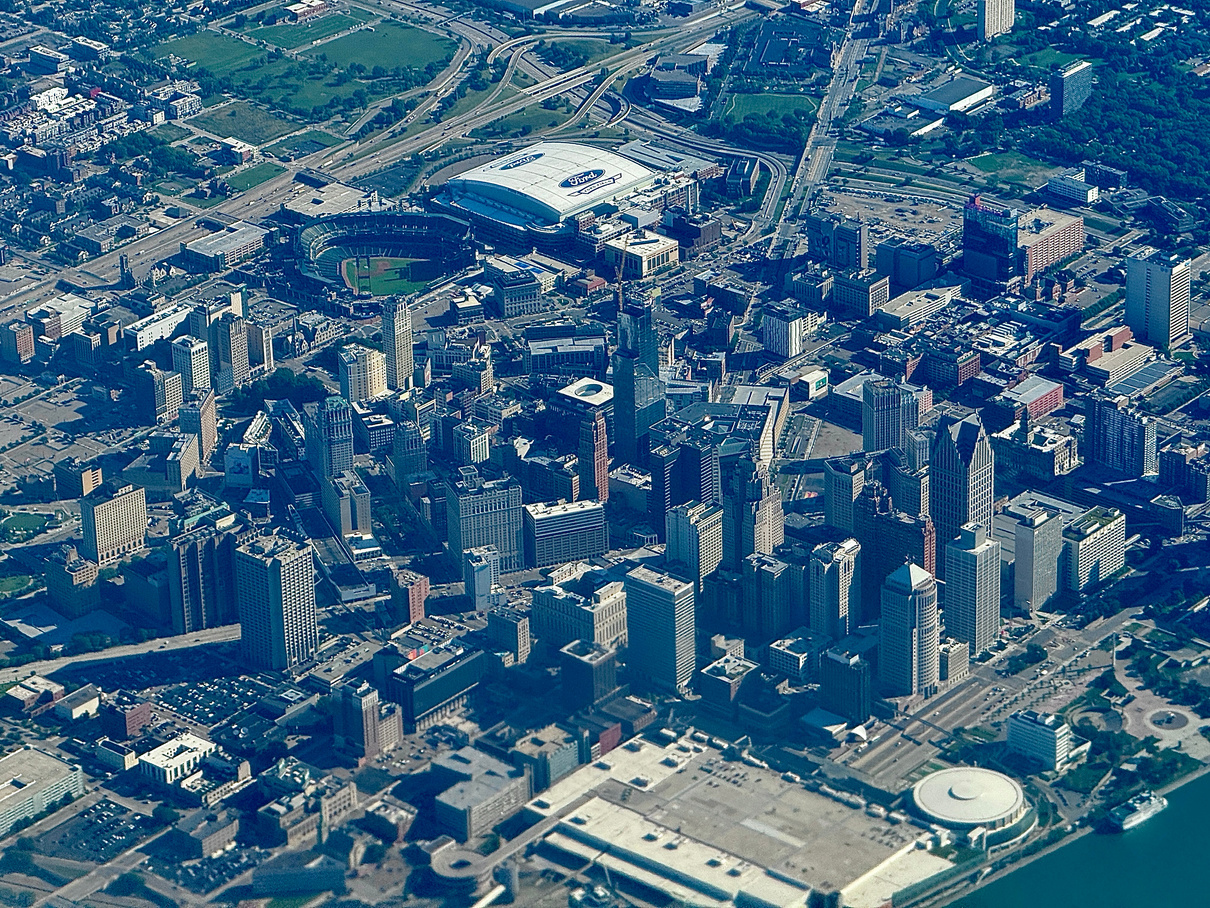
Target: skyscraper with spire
961 477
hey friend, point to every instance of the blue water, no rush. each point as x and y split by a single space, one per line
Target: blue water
1162 862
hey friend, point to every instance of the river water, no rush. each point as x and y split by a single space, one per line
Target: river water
1161 862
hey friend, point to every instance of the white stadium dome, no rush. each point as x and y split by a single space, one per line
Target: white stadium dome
548 182
967 796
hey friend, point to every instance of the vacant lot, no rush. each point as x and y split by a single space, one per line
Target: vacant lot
387 45
306 143
171 132
243 121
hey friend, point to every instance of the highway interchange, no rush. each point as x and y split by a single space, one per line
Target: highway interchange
590 86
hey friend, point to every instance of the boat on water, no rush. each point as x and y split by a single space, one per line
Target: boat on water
1138 809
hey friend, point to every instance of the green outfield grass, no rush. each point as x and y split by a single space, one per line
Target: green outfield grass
388 276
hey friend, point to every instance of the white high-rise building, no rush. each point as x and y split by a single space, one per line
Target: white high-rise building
909 651
275 590
564 531
1157 299
191 358
113 521
1038 543
363 373
233 367
972 588
1094 548
834 588
694 534
660 625
397 342
485 513
1041 736
995 17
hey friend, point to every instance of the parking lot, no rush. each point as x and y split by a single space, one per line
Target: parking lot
208 703
98 834
209 873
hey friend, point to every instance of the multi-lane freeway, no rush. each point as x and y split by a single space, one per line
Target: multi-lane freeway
817 153
349 160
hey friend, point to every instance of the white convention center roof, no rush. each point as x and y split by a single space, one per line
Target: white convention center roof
968 796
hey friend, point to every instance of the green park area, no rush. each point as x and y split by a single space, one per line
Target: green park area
387 44
765 103
340 76
291 35
243 121
521 123
14 583
254 175
18 527
220 54
1014 167
385 276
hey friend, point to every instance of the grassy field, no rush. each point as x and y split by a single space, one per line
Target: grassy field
218 53
594 50
739 106
312 90
292 36
19 527
534 117
14 584
388 45
244 121
291 901
1048 58
170 132
254 175
388 275
1014 166
304 143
